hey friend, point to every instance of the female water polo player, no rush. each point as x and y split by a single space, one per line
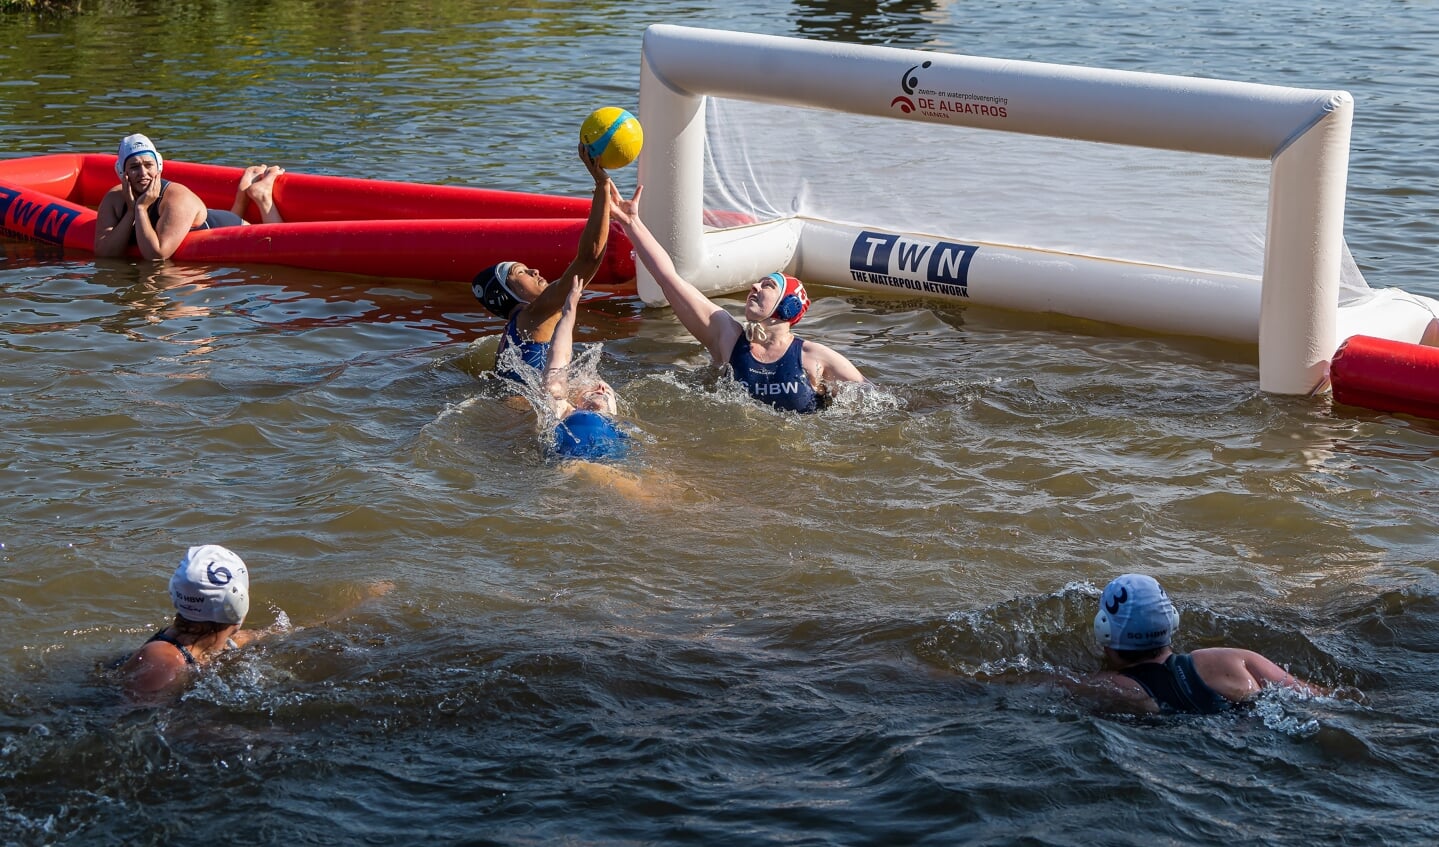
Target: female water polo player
210 591
1134 625
583 408
211 594
584 413
775 366
526 300
156 214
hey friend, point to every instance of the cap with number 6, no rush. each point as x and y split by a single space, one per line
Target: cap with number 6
211 584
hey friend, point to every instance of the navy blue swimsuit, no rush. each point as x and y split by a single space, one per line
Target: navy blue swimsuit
1176 686
189 658
214 218
161 636
217 218
535 354
782 384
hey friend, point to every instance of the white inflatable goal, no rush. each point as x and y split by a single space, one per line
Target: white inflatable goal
877 176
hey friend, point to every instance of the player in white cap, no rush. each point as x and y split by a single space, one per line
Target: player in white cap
155 214
1135 623
211 593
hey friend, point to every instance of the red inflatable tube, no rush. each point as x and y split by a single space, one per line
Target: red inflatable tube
1390 376
362 226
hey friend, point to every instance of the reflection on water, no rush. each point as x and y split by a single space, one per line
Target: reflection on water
865 21
154 293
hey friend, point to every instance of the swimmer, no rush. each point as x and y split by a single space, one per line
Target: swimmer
528 303
156 214
763 354
211 593
210 590
586 440
1134 625
584 413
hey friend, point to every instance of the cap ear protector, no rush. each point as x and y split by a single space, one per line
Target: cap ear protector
793 301
1102 630
211 584
491 287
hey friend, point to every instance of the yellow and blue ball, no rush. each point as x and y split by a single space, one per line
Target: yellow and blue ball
612 136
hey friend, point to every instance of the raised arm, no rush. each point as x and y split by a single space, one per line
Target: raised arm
596 235
562 345
715 328
593 241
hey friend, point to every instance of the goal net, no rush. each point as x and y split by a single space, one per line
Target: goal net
1173 204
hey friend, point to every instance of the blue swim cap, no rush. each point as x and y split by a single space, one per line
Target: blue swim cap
590 436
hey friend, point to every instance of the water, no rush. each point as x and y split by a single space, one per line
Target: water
826 631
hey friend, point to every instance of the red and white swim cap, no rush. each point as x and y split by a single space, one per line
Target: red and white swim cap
793 301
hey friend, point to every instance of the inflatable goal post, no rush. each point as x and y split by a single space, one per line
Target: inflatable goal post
1290 311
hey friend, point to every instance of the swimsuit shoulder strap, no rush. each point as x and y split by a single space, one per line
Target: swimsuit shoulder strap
1175 685
1149 676
161 636
1197 692
155 207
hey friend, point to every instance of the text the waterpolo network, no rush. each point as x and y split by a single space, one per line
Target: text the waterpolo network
898 261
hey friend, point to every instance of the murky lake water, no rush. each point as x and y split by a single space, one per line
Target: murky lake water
825 631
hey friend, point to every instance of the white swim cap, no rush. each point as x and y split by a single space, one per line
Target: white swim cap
211 584
1135 614
136 145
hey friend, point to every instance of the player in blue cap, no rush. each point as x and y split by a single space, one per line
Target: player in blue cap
584 412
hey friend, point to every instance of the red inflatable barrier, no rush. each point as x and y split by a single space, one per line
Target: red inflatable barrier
1391 376
362 226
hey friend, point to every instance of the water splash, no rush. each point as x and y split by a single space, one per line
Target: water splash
1278 709
582 371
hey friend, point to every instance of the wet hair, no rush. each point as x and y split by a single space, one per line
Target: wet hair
199 629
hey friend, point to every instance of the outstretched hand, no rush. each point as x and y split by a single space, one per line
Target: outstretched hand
572 298
627 212
600 175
